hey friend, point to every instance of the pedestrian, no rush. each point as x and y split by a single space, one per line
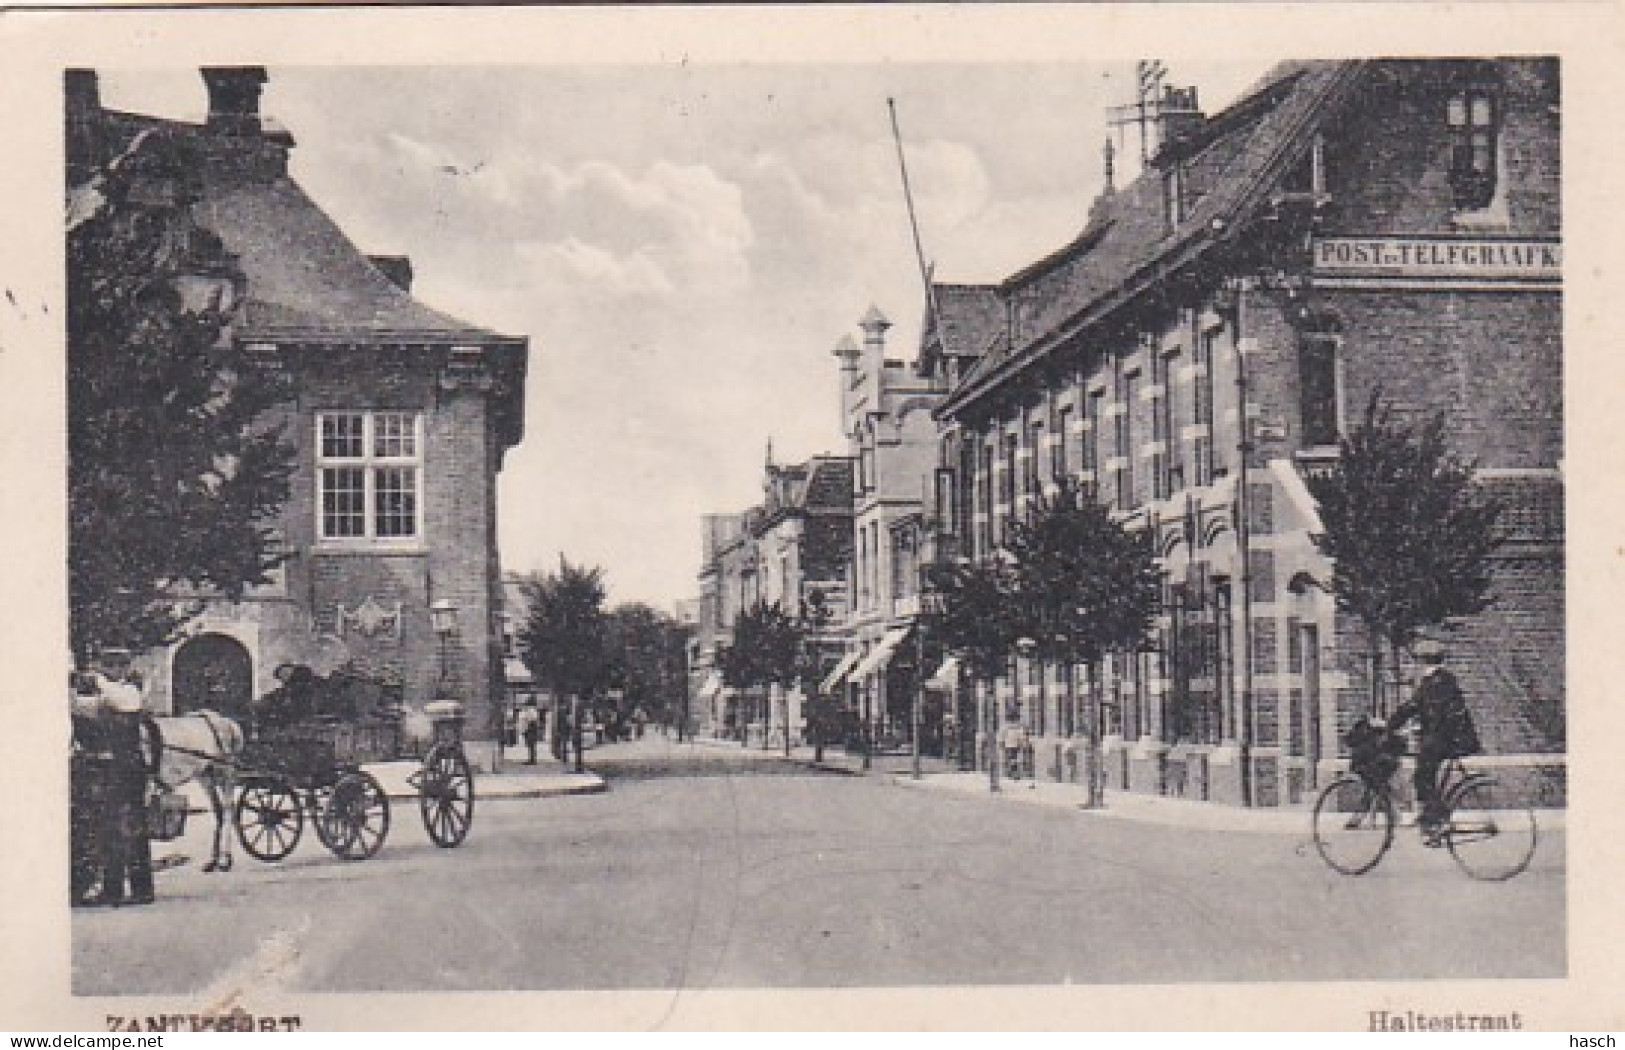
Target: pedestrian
1446 729
1015 742
530 727
90 775
126 843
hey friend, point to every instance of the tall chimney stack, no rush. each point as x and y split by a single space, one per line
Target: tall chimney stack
234 99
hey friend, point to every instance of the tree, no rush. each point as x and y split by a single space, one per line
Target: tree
174 473
644 651
980 622
1084 587
765 651
1409 534
562 639
815 619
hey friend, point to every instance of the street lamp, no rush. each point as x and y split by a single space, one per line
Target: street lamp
443 621
931 604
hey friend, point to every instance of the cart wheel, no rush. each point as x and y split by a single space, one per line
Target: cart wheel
269 819
354 821
446 795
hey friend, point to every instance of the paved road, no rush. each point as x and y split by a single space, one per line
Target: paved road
714 868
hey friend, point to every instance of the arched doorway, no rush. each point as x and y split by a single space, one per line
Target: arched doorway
215 672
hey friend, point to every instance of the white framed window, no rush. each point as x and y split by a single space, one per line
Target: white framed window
369 477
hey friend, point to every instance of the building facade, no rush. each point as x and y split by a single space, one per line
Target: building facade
780 552
400 421
1344 229
887 416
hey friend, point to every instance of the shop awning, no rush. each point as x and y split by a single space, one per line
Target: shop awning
712 686
946 677
516 672
842 669
881 654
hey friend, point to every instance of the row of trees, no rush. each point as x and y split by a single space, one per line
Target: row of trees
1408 532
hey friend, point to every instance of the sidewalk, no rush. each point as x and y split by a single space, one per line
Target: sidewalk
548 779
938 775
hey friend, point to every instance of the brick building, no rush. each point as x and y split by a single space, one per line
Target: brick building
400 422
1195 352
796 541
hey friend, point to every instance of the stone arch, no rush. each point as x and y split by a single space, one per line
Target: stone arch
213 671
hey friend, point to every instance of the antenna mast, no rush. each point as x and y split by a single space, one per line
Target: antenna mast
914 226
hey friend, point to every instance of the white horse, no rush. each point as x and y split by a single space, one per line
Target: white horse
202 746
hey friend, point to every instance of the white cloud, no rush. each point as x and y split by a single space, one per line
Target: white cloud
572 263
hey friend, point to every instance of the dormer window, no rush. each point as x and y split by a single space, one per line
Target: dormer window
1173 195
1473 119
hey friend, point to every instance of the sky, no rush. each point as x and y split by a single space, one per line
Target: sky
684 245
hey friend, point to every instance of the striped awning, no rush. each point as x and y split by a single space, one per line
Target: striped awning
881 654
842 669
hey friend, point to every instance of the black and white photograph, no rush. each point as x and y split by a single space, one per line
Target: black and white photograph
1078 524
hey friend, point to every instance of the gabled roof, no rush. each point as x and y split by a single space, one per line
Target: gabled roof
972 316
1228 165
306 280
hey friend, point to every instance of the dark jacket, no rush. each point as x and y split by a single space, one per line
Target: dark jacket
1441 713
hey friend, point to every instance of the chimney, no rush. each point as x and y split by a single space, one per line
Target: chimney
398 268
83 108
234 99
874 325
1178 116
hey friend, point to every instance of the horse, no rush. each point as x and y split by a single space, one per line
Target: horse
202 746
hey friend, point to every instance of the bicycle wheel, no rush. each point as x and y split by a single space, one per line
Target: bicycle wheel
1354 825
1491 834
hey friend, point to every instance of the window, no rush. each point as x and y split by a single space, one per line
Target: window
1035 445
370 476
1202 409
1060 468
1129 393
1173 195
1091 430
1317 378
1473 120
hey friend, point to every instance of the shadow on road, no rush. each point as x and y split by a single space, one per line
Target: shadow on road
657 758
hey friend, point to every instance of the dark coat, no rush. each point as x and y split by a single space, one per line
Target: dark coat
1441 713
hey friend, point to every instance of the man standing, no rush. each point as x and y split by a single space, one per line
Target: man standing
530 728
125 839
1445 726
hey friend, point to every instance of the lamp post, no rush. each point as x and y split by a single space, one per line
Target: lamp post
931 604
443 621
1025 647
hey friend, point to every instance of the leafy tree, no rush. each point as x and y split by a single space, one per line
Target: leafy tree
766 649
1084 587
644 650
1409 535
815 619
563 637
979 621
174 475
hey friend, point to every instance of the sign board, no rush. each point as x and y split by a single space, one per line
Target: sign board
1434 258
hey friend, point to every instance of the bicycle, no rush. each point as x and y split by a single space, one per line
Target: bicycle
1489 833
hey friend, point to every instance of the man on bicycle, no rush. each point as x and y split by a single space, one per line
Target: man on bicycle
1446 729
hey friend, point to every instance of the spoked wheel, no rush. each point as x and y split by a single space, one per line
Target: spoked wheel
446 795
269 819
1491 834
354 819
1354 825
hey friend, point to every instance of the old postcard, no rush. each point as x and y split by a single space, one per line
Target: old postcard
1085 517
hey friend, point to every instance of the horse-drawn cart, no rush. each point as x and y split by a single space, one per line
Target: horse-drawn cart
312 772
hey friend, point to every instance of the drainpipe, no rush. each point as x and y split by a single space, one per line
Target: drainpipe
1244 549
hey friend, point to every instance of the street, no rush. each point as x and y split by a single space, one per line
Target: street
706 866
